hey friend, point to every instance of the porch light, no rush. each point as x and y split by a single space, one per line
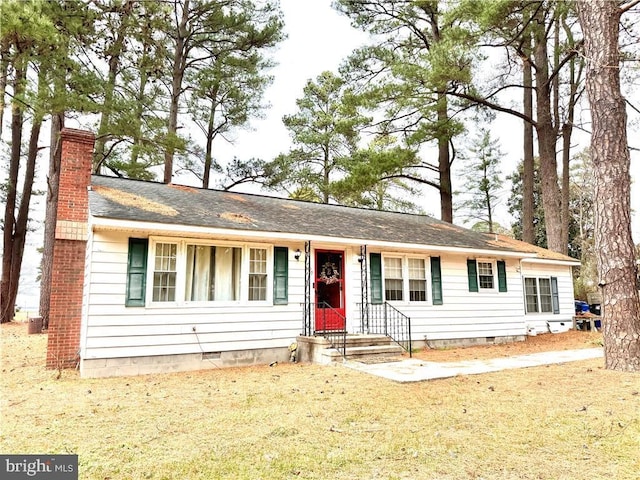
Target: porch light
296 255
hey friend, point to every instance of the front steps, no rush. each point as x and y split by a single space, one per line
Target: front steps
359 348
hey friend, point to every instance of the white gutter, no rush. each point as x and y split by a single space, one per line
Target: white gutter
101 223
551 260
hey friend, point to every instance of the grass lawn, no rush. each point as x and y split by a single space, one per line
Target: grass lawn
571 421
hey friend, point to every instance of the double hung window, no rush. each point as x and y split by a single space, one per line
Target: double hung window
165 272
398 278
485 275
257 274
541 295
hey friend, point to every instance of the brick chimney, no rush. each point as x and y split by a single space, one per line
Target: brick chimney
69 250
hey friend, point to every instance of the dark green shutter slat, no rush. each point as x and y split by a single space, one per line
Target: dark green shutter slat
375 273
472 273
436 281
280 275
502 276
137 272
555 298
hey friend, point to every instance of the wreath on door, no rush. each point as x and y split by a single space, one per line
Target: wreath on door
329 273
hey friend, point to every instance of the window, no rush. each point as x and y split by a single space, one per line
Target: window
404 278
545 295
531 294
257 274
541 295
213 273
417 280
482 275
485 275
200 267
198 272
164 272
393 278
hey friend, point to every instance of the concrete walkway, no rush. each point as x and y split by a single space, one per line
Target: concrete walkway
414 370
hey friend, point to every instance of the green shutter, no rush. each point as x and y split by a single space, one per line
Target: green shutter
472 272
137 272
436 281
375 272
555 298
280 275
502 276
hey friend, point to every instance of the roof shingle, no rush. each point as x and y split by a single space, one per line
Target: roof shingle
134 200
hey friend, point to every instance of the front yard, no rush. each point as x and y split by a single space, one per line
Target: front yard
571 421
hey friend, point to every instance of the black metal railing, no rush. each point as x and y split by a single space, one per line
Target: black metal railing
385 319
331 324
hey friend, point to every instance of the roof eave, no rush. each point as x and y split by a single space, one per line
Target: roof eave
155 228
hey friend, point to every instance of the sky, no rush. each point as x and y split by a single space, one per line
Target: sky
319 39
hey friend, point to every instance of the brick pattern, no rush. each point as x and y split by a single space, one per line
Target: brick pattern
65 311
69 250
75 175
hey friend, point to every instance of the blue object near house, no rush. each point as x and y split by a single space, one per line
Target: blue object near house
581 307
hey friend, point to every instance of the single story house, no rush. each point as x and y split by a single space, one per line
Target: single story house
152 277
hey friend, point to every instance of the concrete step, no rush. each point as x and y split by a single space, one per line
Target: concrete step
360 353
367 340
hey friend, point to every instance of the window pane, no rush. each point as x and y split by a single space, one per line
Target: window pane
531 295
257 274
545 295
417 280
226 278
200 268
164 275
393 289
393 278
485 274
257 287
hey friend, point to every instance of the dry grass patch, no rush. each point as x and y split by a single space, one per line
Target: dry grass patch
573 339
571 421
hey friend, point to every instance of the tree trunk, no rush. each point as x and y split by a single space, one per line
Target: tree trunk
20 226
208 156
116 49
547 147
615 252
8 283
51 213
4 70
179 65
528 231
136 128
444 163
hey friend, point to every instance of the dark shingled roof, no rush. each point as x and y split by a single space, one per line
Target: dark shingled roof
135 200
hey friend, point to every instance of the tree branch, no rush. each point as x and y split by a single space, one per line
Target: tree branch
494 106
625 7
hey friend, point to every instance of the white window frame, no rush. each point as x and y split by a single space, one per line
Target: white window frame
538 295
181 272
404 258
494 274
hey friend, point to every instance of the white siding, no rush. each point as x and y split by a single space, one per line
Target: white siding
113 330
565 294
465 314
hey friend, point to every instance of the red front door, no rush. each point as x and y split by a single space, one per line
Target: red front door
329 286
